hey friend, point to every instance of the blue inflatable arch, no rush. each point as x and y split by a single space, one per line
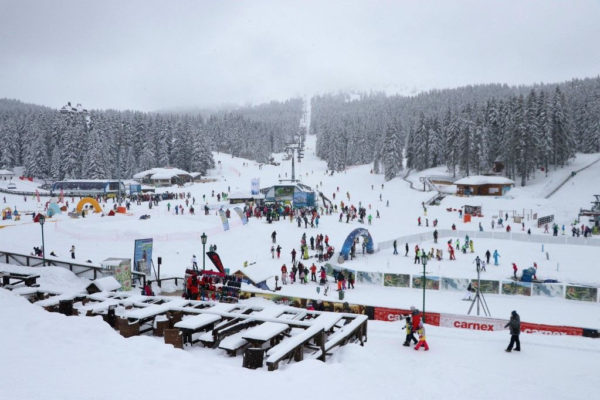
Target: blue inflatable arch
350 239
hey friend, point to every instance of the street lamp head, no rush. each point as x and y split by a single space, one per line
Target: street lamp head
203 238
41 219
424 260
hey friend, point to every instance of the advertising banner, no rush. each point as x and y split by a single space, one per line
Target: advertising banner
474 323
431 282
224 220
581 293
396 280
373 278
547 289
456 284
255 186
142 256
389 314
522 288
123 274
241 214
487 286
527 327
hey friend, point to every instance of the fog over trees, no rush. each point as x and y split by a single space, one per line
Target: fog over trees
528 128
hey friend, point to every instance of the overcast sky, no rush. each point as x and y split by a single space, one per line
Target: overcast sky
151 55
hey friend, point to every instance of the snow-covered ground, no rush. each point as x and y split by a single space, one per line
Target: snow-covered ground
51 356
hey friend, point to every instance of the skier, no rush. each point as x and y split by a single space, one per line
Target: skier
478 263
496 255
410 337
515 329
351 280
417 255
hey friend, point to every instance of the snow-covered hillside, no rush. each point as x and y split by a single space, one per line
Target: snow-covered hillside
82 357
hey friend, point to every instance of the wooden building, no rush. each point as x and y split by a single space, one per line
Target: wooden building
480 185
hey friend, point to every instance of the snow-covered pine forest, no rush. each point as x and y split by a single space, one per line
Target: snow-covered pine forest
466 129
528 128
98 144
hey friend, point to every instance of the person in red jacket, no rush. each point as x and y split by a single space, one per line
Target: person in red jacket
313 272
284 274
515 269
422 338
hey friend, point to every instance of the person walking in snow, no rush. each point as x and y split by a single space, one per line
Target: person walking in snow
293 256
435 236
487 256
194 262
514 324
410 337
272 251
284 274
496 256
515 269
274 236
405 249
477 262
278 249
422 339
395 247
72 251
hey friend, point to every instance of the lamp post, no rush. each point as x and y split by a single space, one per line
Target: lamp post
424 262
203 238
41 220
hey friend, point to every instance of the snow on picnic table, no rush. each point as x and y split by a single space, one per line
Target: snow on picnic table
265 331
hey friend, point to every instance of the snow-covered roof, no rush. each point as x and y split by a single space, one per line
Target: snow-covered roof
106 284
6 172
160 173
245 195
484 180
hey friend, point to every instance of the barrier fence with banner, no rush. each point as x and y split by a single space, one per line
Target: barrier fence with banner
431 318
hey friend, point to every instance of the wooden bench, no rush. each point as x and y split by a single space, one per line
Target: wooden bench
197 323
294 346
17 279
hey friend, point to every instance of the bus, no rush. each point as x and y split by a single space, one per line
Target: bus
87 187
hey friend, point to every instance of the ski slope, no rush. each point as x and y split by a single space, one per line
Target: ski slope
82 357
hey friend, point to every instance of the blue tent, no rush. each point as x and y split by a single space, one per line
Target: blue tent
350 239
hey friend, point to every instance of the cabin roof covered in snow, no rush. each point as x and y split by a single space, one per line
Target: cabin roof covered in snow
106 284
484 180
160 173
6 172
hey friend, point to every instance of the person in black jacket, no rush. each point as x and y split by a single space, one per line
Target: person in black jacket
515 329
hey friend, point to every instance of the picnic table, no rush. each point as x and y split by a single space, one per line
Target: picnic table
17 278
194 324
267 331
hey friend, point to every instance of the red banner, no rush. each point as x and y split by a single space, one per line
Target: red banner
393 314
528 327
